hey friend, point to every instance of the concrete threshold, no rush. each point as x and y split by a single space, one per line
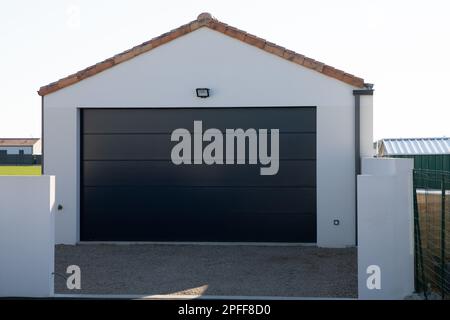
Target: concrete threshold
261 244
185 297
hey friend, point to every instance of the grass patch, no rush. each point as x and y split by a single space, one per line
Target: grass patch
20 170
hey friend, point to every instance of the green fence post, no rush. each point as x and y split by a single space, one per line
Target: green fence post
416 238
418 257
443 238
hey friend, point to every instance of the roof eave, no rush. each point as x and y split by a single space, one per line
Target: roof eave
203 20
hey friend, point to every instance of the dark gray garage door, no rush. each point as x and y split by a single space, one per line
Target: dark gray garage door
131 190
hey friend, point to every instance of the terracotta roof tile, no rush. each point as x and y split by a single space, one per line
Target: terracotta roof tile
204 20
235 33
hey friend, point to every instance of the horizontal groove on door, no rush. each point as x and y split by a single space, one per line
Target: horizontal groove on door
170 132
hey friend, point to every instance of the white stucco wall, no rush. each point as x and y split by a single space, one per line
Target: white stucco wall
238 75
385 227
27 236
366 126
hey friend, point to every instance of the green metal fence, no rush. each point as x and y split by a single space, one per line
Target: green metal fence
20 159
432 231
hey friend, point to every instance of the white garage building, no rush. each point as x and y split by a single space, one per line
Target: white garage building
108 139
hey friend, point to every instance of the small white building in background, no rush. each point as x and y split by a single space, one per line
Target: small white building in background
20 146
413 146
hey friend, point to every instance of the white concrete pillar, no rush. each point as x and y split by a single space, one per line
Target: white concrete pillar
385 229
27 236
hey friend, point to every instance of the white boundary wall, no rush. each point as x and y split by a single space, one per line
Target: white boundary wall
385 227
27 236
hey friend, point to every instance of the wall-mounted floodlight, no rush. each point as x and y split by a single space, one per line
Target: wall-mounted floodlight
202 92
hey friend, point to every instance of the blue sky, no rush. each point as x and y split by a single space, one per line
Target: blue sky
401 46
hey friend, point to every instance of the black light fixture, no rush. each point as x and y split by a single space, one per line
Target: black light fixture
202 92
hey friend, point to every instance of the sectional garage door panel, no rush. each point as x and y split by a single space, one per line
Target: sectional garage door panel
131 191
200 227
163 120
165 173
294 146
155 199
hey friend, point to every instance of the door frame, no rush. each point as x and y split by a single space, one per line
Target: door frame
80 181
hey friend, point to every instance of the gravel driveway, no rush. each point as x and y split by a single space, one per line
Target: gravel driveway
289 271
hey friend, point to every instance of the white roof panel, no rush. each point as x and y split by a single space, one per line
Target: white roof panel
416 146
